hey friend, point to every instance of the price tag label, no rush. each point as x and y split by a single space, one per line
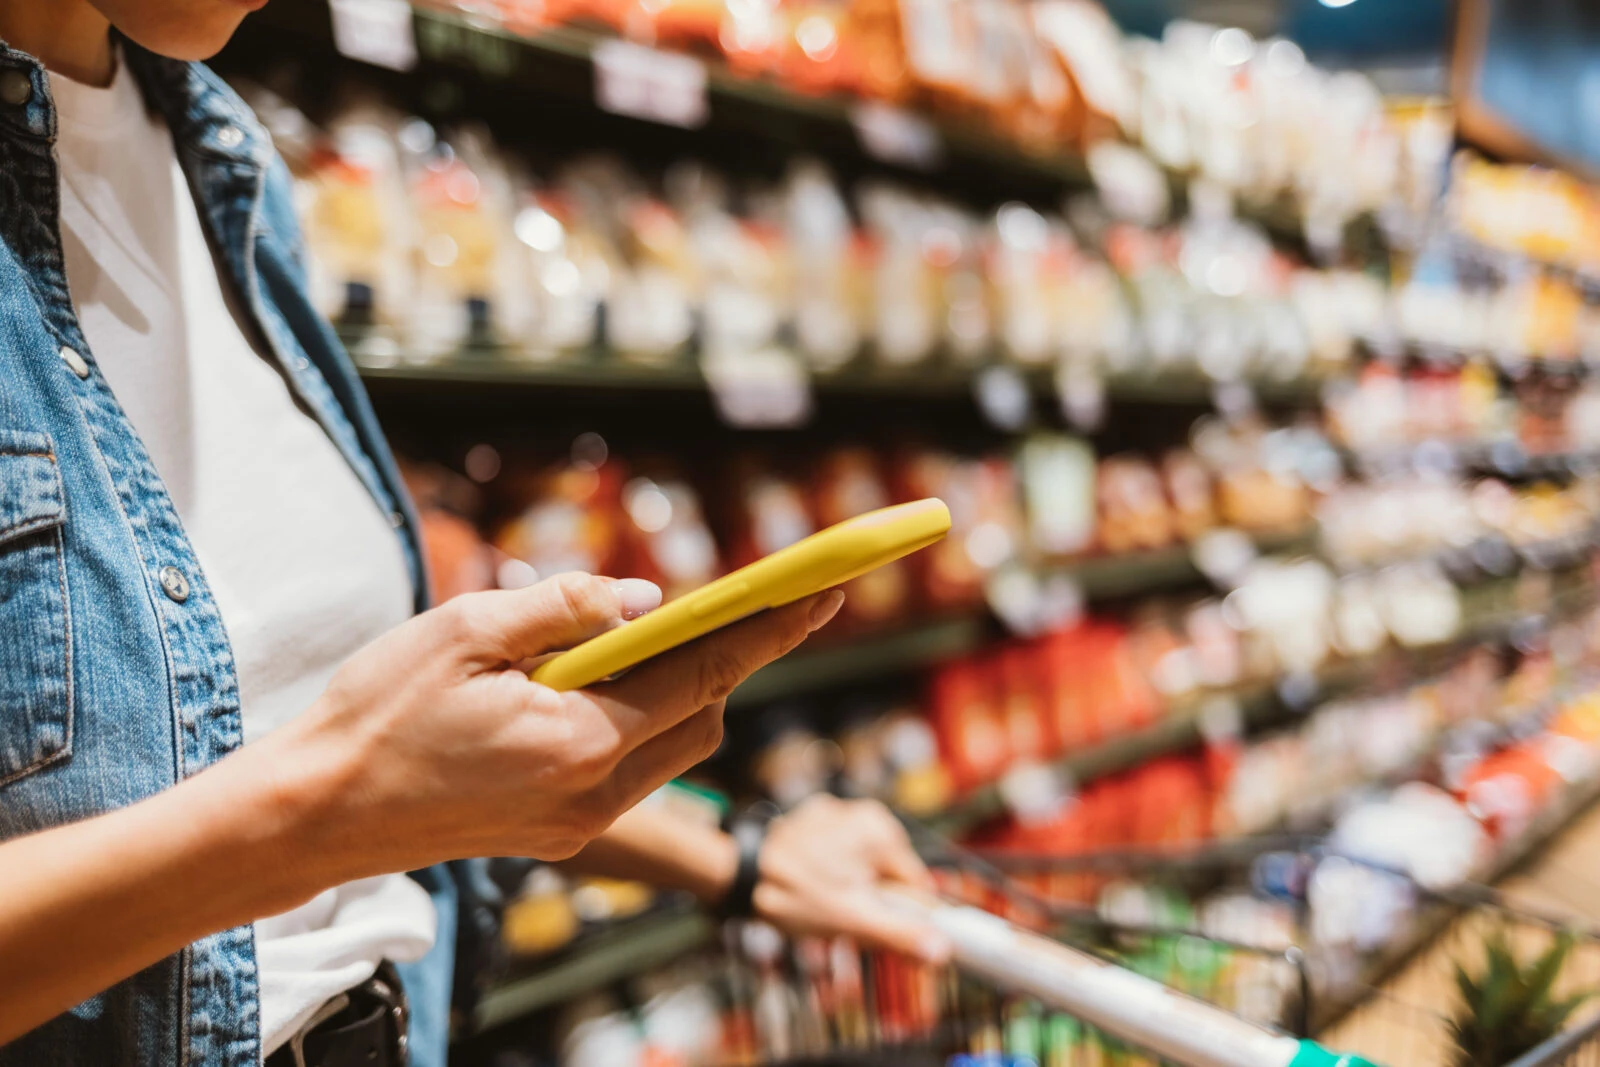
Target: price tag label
643 83
375 31
1221 721
1002 395
1130 183
895 135
1033 792
1061 601
1082 393
1234 400
1224 556
767 388
1016 597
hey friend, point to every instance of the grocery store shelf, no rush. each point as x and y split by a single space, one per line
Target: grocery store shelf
868 656
1512 365
626 949
1434 920
1259 705
1506 458
555 65
641 945
609 374
1178 731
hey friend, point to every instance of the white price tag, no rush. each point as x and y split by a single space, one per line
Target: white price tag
1224 555
375 31
1002 395
1221 721
1130 183
1033 792
1234 400
1082 393
895 135
765 388
1061 601
643 83
1016 597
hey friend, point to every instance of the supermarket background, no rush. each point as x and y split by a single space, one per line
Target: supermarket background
1254 357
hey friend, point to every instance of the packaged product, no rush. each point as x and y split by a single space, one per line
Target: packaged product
570 271
665 538
763 511
829 278
1132 509
573 521
848 482
906 290
359 225
964 705
1057 474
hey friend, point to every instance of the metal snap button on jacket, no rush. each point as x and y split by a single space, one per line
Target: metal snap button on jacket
16 88
174 584
230 136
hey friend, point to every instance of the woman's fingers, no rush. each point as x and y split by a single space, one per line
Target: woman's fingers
667 755
892 851
658 695
507 626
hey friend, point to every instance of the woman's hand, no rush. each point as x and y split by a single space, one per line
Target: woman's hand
824 868
433 743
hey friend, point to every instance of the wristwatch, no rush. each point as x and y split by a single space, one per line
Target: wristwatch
749 833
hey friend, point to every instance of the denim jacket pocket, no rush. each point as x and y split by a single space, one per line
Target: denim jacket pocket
35 634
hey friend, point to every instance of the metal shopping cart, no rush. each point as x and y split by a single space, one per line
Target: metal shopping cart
1213 956
1389 1000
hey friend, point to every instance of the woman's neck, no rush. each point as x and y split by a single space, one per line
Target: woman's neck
70 37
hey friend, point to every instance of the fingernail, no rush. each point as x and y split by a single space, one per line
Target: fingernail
825 609
935 949
637 596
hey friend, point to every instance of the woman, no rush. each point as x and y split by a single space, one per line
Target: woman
221 730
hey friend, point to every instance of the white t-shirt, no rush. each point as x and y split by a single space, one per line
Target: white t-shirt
303 563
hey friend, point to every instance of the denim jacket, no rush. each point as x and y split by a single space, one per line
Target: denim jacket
116 676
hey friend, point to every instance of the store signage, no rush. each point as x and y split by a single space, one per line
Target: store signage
894 135
643 83
765 388
375 31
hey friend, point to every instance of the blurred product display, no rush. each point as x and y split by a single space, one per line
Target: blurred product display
1266 636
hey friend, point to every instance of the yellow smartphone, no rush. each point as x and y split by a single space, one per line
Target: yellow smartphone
823 560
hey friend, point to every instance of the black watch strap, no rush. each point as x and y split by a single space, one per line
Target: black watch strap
749 833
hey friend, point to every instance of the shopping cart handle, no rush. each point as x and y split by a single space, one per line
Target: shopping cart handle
1178 1028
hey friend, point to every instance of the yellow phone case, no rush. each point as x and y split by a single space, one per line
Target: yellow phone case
821 561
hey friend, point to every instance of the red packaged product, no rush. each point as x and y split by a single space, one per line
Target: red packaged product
686 25
1064 664
1506 789
459 561
964 706
985 522
1025 694
1172 803
1126 700
573 521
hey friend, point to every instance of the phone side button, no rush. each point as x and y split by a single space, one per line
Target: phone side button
721 600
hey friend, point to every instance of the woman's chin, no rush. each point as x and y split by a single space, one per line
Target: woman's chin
179 29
